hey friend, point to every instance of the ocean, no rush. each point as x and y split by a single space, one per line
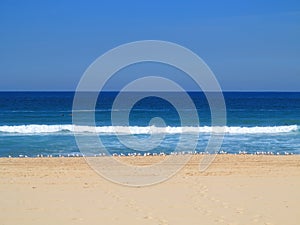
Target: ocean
40 124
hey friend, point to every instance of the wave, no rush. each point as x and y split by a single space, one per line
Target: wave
41 129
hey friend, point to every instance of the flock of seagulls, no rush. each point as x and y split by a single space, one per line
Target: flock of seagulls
155 154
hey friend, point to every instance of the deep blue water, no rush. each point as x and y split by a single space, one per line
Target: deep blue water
34 123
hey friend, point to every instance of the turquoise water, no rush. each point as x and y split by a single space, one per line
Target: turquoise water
40 123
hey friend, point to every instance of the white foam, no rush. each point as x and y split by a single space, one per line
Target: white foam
40 129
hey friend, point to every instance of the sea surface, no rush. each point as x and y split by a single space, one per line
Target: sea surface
40 123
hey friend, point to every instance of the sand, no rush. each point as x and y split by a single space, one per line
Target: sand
235 189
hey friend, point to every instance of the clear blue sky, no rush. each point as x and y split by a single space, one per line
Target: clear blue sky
250 45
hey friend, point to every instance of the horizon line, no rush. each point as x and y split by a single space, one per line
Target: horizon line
151 91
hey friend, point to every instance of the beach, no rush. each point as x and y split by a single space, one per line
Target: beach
235 189
150 113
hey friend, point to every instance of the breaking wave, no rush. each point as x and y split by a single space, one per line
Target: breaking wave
42 129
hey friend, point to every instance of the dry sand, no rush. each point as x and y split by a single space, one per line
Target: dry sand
235 189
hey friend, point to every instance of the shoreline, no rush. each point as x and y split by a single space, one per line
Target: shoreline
79 155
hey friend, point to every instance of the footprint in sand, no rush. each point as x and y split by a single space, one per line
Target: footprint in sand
239 210
163 222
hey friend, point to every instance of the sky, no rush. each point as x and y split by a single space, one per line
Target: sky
249 45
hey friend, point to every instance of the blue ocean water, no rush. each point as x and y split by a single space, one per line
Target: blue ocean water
40 123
